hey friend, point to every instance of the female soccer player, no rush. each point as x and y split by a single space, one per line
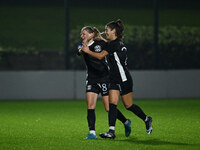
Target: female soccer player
120 78
97 79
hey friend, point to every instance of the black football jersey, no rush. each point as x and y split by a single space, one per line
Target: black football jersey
96 69
118 61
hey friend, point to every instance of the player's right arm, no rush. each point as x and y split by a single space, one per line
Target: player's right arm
99 56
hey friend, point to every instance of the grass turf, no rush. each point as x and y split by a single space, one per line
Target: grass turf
30 125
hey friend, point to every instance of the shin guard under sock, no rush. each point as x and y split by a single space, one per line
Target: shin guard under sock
112 114
137 111
121 117
91 119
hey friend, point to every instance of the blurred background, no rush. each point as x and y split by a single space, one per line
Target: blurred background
39 39
42 80
160 34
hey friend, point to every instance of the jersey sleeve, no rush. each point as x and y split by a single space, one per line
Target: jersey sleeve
104 45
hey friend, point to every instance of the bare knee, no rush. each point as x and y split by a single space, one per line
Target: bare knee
127 100
91 106
127 105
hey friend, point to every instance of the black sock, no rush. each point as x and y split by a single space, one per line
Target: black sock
120 116
112 114
91 119
137 111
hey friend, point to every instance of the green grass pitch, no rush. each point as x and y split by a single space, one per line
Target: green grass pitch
62 125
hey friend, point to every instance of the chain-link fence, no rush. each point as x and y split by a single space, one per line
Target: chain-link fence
32 33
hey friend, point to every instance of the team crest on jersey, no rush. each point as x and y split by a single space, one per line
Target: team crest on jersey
97 48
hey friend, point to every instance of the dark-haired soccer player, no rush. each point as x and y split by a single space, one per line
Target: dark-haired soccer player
97 79
120 78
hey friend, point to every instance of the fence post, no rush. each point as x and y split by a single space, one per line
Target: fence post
156 49
67 27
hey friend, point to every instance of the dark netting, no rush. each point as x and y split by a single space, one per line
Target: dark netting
33 32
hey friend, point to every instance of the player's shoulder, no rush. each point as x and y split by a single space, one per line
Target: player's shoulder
117 44
101 42
121 43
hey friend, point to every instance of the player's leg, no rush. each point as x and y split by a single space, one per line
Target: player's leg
103 89
128 103
105 100
91 105
91 98
112 114
120 116
104 92
113 101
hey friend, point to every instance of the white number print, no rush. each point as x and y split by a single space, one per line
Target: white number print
104 87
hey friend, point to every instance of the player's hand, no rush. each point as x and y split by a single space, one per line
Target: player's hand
85 41
85 48
102 38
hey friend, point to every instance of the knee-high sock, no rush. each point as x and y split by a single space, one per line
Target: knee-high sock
120 116
137 111
91 119
112 114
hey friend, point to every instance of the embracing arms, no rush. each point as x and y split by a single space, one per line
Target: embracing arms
99 56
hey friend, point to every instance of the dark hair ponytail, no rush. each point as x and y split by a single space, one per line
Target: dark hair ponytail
118 26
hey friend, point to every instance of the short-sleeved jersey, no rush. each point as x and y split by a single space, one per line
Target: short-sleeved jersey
118 62
97 70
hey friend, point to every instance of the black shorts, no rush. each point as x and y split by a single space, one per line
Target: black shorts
124 87
97 88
